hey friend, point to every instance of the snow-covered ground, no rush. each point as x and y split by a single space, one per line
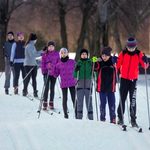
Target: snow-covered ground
20 128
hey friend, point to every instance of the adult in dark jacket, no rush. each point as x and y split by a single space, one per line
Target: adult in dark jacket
17 59
8 68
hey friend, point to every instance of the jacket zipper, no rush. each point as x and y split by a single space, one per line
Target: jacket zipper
129 67
84 73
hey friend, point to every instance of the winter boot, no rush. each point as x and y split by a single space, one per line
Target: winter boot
66 116
51 105
44 105
35 93
15 90
113 121
134 123
120 121
6 91
24 93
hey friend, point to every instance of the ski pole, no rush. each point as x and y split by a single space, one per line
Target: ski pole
1 74
120 101
42 94
96 98
91 86
128 111
58 87
24 78
75 104
147 96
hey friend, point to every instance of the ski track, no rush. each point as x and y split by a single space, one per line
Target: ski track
20 128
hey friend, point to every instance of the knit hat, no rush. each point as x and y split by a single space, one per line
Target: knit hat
107 51
51 43
33 36
10 32
131 42
84 51
20 33
64 49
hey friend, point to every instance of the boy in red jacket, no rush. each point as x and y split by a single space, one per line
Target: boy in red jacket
128 66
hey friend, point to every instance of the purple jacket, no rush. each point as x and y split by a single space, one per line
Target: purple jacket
66 70
49 61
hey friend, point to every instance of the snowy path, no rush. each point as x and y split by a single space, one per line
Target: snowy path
20 129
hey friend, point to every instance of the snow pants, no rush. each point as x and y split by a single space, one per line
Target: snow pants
125 87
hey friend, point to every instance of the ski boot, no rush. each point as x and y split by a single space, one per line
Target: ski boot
44 105
51 105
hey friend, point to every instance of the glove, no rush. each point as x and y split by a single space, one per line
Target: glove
77 68
145 59
11 63
94 59
49 65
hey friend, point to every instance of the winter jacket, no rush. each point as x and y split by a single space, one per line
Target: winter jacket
17 52
128 64
49 61
7 48
65 69
30 54
106 79
83 73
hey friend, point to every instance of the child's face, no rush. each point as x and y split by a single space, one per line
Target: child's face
51 48
84 55
63 54
21 37
105 57
131 49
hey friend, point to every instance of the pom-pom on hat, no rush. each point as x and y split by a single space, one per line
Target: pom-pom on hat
106 51
131 42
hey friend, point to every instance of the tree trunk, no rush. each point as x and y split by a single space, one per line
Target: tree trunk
63 29
117 35
82 36
105 38
3 30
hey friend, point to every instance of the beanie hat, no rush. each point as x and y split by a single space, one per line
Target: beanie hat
131 42
11 33
107 51
51 43
64 49
33 36
84 51
20 33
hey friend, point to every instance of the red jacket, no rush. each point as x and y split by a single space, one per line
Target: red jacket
128 64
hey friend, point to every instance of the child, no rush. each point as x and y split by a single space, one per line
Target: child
17 59
83 73
49 60
65 69
106 82
30 64
128 66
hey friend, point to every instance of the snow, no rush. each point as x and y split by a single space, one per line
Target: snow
20 128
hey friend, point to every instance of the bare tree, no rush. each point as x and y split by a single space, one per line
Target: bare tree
7 7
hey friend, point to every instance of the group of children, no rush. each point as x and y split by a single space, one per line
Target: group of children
78 77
